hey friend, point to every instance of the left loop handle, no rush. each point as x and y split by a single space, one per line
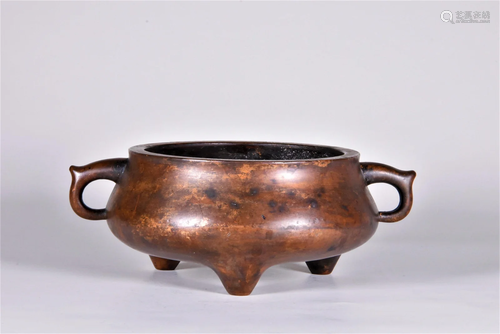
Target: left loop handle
109 169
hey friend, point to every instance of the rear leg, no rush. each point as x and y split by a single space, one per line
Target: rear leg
323 266
164 264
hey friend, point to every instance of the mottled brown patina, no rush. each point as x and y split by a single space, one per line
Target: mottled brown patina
241 208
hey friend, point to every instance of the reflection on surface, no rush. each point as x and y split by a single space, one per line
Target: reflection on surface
190 221
193 172
295 223
289 174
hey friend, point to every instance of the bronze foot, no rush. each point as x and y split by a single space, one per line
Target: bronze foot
164 264
239 281
324 266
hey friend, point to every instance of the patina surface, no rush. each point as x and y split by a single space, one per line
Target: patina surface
240 208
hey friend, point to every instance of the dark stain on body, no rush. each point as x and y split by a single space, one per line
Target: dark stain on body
282 208
211 193
332 248
313 203
234 205
320 191
254 191
263 217
344 207
291 193
272 203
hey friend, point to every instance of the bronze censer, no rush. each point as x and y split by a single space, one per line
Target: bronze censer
241 207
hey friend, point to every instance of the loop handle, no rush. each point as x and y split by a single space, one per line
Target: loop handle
110 169
401 180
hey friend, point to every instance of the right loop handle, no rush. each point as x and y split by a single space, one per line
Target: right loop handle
399 179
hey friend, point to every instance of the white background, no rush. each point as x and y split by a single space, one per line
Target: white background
85 81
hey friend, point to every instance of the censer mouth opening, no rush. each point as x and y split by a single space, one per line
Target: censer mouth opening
246 151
